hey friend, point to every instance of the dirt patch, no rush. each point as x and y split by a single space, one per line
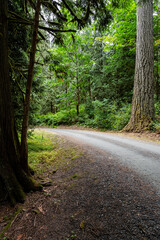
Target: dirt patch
91 197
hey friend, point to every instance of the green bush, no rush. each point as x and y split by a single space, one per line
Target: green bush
64 117
157 109
89 108
103 114
122 117
156 123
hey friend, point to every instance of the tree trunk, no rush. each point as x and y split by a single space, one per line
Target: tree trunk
77 83
24 148
143 96
13 179
89 89
77 106
157 84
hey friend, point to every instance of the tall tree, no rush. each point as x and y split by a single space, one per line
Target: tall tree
14 181
14 175
143 97
24 149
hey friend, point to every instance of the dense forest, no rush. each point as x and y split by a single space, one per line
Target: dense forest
92 63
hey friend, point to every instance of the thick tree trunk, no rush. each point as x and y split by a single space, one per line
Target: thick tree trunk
24 148
13 179
157 84
143 97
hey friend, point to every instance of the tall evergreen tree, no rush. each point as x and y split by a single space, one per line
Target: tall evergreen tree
13 179
143 97
14 174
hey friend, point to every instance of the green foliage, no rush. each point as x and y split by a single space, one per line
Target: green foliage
40 150
156 123
89 108
63 117
102 61
122 117
108 115
101 114
157 109
38 143
47 152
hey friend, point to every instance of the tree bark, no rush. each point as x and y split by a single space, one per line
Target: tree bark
24 148
14 180
143 96
157 84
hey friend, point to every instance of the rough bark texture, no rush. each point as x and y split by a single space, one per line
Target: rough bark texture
24 148
143 96
157 84
13 180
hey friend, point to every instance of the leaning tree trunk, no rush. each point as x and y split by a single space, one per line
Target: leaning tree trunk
24 148
13 180
143 96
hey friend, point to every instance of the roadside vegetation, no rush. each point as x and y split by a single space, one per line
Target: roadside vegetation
47 153
101 115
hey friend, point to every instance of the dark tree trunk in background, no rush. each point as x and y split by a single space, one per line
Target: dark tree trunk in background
89 88
77 83
77 106
24 148
143 97
13 179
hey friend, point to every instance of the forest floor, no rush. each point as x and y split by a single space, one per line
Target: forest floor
89 197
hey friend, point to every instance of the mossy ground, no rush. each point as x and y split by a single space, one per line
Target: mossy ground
47 152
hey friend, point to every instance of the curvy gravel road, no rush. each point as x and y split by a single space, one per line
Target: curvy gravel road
142 156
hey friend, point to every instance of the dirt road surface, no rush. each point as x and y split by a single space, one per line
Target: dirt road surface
109 190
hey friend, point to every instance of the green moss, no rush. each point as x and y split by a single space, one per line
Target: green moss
53 154
38 143
75 176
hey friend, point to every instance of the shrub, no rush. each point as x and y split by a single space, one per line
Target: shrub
122 117
103 114
108 115
156 123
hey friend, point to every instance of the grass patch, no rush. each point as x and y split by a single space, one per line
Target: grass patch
38 143
41 151
47 151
